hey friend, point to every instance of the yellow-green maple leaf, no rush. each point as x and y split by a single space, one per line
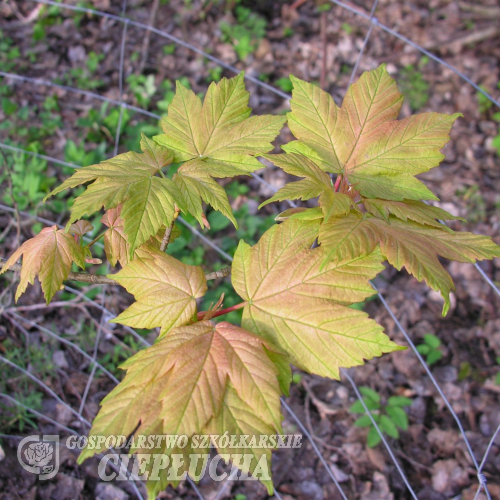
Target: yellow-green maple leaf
129 179
316 183
416 247
364 141
49 256
180 386
405 210
302 308
218 138
165 290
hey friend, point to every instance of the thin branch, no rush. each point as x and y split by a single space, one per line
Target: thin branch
168 232
221 273
83 277
96 239
99 279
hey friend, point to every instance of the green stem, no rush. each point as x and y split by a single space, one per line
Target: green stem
201 314
97 238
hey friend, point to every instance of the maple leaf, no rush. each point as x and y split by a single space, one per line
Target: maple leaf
409 209
129 179
216 139
414 246
178 385
316 183
237 418
300 307
364 141
80 228
165 290
49 256
115 241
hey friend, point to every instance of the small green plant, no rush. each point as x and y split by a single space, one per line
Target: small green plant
431 349
389 417
497 378
48 16
347 28
414 86
214 74
246 33
28 178
84 76
143 87
285 84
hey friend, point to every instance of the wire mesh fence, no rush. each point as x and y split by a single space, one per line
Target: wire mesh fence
17 320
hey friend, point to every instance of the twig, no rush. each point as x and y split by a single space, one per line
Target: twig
221 273
96 239
99 279
147 36
168 232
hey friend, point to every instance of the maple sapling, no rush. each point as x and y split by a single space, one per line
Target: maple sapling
206 378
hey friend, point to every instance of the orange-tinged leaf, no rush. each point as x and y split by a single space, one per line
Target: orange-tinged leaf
238 419
178 385
302 308
414 246
165 290
81 227
378 155
115 241
49 256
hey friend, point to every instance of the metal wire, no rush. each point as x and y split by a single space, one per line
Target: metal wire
127 22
